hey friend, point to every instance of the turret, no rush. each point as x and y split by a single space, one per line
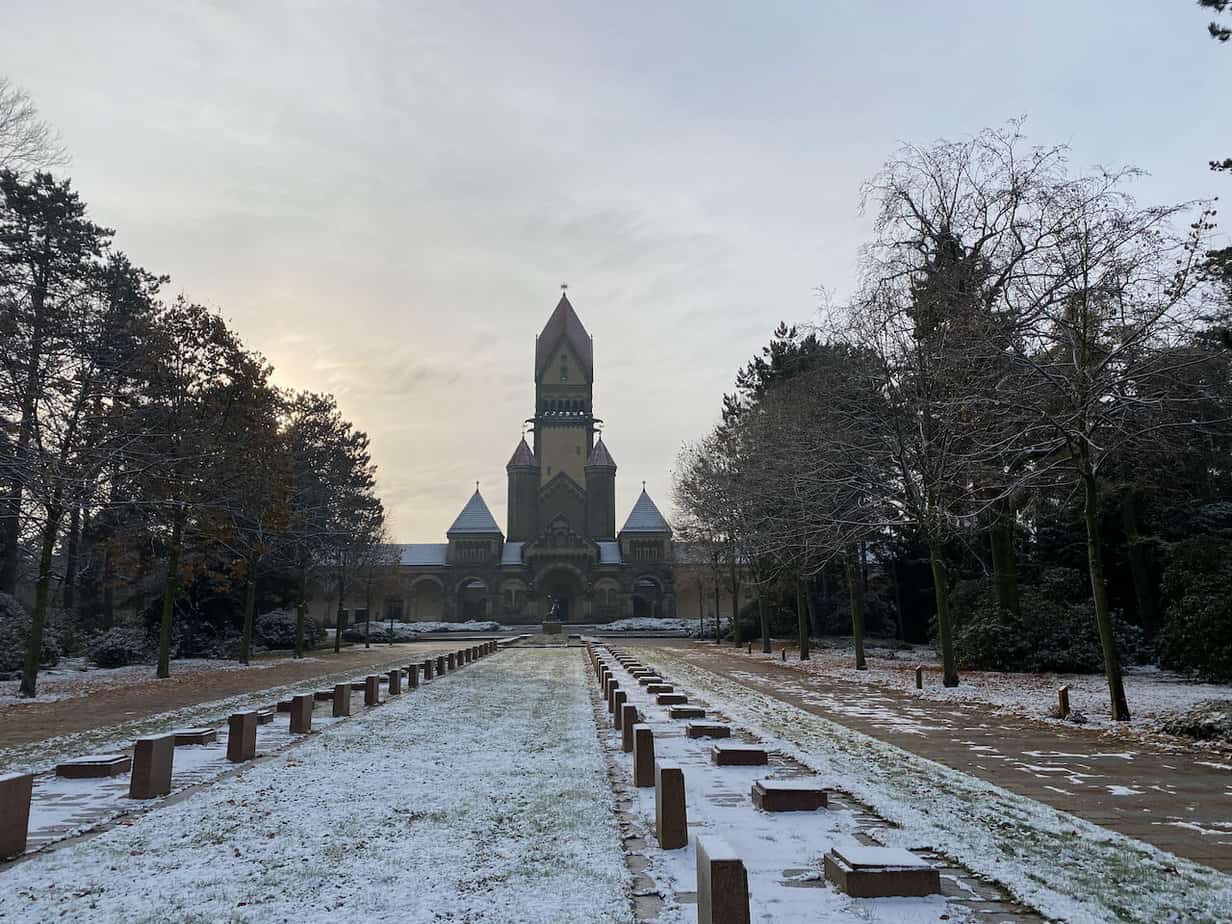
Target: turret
600 493
522 518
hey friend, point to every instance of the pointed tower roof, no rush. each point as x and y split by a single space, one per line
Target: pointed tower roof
599 456
523 455
564 323
645 517
474 518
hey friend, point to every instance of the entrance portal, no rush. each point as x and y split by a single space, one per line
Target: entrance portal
563 587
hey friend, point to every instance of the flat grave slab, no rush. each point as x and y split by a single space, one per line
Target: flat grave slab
687 712
803 795
671 699
659 688
880 872
323 695
98 766
266 716
187 736
738 755
649 679
707 730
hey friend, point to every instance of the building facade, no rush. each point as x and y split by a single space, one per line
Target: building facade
560 545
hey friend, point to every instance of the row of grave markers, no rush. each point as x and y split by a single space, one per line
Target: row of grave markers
153 757
722 880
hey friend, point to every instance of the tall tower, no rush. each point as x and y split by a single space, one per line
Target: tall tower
564 420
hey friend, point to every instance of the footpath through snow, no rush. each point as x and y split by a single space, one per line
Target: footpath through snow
482 796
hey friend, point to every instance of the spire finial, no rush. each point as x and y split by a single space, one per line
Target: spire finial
563 287
643 485
477 487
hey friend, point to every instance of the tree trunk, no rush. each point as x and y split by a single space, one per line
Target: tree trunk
701 606
810 605
299 613
341 617
108 585
170 588
38 619
944 629
1139 565
1103 618
1004 565
855 586
735 589
901 630
250 604
765 620
802 619
12 518
68 597
718 612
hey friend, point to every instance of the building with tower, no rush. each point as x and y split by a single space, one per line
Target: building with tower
560 543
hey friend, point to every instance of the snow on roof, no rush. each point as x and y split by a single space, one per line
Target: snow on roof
474 518
424 553
609 552
600 456
645 517
564 323
511 554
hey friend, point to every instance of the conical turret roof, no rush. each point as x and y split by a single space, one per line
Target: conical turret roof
564 323
523 456
599 456
474 518
645 517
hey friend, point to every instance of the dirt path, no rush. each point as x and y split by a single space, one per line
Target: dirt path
1179 800
24 723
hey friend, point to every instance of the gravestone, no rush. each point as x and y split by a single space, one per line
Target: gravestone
241 737
372 690
643 756
880 872
722 884
191 736
797 795
618 699
301 714
671 699
671 817
737 755
628 719
342 700
686 712
96 767
395 682
427 669
152 760
15 792
412 676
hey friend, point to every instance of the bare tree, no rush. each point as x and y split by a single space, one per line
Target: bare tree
27 142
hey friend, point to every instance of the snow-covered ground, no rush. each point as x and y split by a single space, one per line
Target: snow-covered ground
480 797
409 631
1066 867
688 627
781 852
40 755
1151 692
74 677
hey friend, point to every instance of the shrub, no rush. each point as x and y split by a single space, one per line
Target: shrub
1197 636
15 630
276 630
120 647
1053 635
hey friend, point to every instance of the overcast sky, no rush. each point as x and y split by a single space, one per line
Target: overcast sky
385 197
